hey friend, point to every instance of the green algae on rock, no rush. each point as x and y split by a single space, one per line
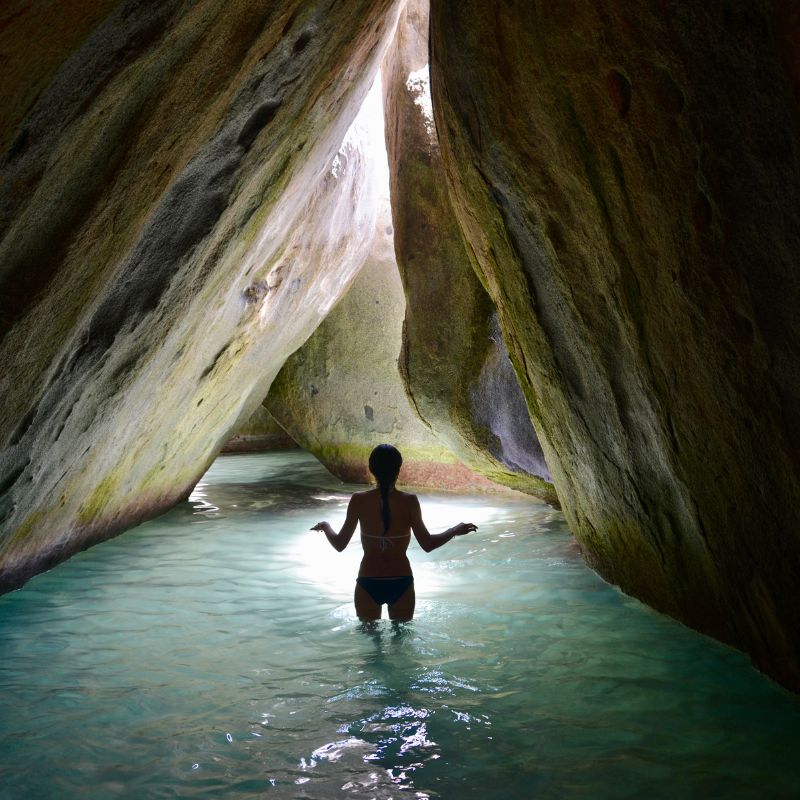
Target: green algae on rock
341 393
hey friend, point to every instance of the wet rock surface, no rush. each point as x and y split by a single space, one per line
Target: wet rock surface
627 177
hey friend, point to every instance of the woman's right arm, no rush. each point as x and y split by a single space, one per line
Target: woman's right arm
430 541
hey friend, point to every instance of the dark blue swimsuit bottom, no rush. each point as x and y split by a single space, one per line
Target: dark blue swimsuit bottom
386 590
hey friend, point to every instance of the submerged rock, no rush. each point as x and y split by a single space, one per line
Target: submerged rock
173 226
627 177
454 360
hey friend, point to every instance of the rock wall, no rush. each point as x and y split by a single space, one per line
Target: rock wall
627 176
341 393
259 434
454 360
178 211
172 225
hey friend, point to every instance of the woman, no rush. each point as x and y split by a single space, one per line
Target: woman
385 572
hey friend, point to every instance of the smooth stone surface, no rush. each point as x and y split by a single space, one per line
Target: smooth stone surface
162 253
627 177
454 361
341 393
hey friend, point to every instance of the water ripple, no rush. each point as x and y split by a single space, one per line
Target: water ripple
213 652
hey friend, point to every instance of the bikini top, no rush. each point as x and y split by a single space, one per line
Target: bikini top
386 539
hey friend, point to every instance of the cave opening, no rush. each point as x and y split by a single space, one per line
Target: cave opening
194 228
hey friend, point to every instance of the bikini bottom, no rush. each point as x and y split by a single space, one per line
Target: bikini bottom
386 590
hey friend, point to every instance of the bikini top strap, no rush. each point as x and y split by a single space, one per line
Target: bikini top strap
386 540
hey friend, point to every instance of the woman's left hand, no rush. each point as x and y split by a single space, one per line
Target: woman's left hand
462 528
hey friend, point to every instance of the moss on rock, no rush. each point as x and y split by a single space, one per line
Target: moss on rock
161 189
341 394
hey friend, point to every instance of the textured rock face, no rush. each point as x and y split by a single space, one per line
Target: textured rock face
454 361
165 169
627 176
259 434
341 394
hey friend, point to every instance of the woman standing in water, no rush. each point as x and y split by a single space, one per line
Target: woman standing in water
385 573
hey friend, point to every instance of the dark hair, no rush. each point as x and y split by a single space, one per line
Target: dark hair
384 463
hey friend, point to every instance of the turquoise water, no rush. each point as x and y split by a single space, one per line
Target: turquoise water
213 652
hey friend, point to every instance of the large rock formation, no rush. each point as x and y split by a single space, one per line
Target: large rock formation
174 221
454 360
172 228
341 393
627 176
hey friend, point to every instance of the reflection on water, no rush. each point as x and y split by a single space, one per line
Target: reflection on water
214 652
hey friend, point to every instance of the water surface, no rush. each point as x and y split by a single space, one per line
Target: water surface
213 652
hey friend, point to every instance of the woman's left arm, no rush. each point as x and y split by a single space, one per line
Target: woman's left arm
340 540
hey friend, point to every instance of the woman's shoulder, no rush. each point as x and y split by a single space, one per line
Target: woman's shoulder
366 496
406 497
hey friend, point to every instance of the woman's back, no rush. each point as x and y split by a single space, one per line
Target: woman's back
386 518
384 551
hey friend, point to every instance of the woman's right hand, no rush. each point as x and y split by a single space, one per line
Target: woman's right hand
324 527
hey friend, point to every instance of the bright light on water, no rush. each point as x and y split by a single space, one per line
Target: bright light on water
213 652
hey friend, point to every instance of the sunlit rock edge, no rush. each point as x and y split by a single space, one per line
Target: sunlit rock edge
191 267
